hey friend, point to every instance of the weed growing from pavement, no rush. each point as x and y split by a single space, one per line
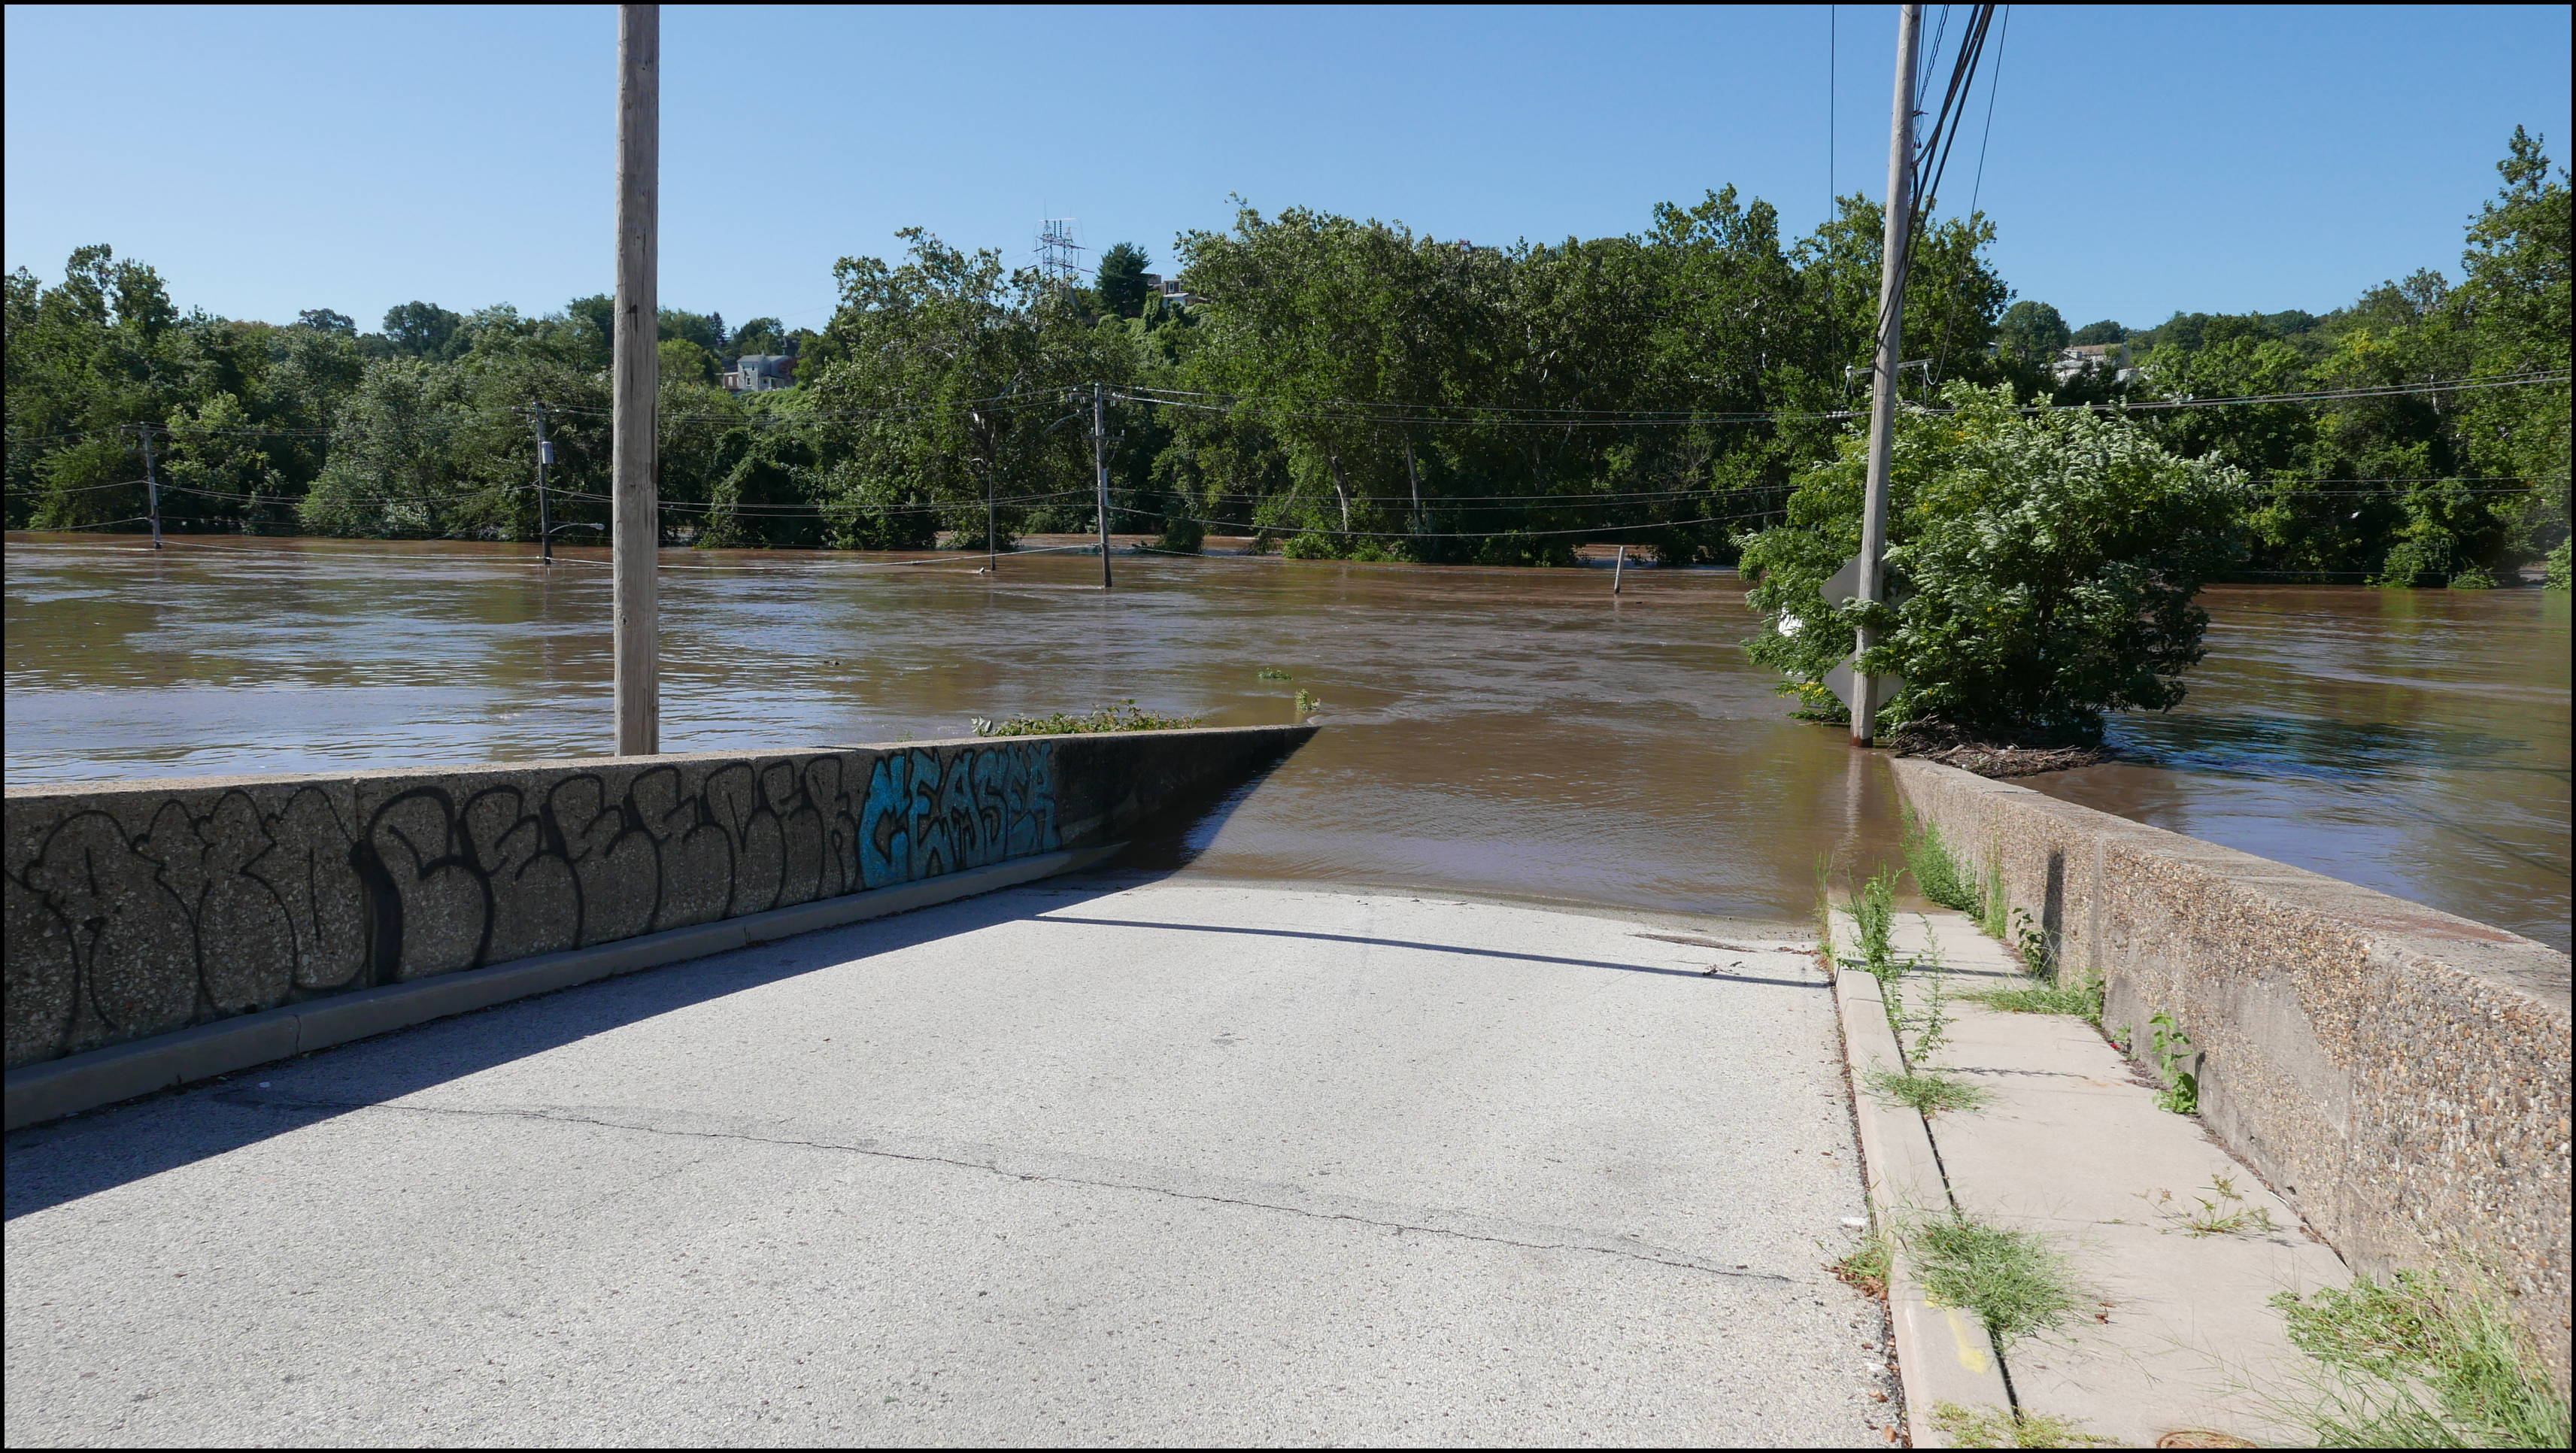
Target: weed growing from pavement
2037 955
2015 1283
2416 1363
1866 1270
1932 1026
1993 907
1929 1093
2181 1093
1825 909
2082 1000
1938 872
1993 1427
2222 1212
1873 914
1872 907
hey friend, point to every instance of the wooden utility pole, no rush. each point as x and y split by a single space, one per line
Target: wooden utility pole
151 487
1882 399
636 527
1100 471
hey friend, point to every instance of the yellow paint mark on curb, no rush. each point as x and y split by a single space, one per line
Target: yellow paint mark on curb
1971 1341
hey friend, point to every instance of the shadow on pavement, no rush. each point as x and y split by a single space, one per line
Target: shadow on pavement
1440 948
50 1164
65 1160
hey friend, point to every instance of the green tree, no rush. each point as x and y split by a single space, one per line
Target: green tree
1121 280
706 330
2043 568
763 336
686 361
2031 332
2513 308
2106 331
421 330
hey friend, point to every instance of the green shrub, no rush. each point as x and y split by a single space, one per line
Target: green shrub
2043 567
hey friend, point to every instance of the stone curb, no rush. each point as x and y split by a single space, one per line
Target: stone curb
48 1091
1943 1355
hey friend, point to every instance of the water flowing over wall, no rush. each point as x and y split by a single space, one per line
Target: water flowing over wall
139 909
2399 1074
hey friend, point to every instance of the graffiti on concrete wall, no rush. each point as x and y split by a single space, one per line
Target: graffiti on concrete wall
131 913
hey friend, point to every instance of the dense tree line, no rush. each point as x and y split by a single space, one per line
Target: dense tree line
1340 387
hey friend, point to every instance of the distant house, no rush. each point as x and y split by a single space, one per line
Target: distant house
759 372
1168 289
2076 358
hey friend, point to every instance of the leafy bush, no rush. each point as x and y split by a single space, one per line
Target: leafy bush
2043 568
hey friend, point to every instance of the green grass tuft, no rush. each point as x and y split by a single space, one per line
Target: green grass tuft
1124 717
2012 1280
2410 1363
1866 1270
1940 875
1992 1427
1928 1093
2082 1001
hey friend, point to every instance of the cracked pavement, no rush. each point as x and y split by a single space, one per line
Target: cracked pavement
1093 1161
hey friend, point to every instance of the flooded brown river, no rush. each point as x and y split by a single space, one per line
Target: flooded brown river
1519 733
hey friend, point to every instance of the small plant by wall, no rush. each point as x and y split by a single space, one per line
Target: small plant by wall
2173 1050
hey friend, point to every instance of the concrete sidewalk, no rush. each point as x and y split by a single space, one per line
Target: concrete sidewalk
2173 1247
1184 1162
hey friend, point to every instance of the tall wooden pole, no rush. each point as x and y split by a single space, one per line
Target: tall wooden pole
1882 398
636 527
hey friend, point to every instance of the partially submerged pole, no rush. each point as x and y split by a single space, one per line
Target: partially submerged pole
545 456
1100 472
636 519
1618 567
151 487
1882 399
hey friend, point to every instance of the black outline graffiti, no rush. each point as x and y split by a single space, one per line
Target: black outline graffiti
241 898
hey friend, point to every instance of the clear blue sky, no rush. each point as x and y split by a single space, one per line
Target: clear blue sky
2143 159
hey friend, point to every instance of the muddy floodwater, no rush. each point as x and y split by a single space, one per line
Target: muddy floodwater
1519 733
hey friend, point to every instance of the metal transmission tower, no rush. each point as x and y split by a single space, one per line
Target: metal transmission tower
1059 256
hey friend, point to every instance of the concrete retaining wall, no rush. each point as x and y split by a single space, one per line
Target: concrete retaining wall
2398 1073
139 909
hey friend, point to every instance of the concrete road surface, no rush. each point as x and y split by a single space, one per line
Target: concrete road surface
1088 1162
